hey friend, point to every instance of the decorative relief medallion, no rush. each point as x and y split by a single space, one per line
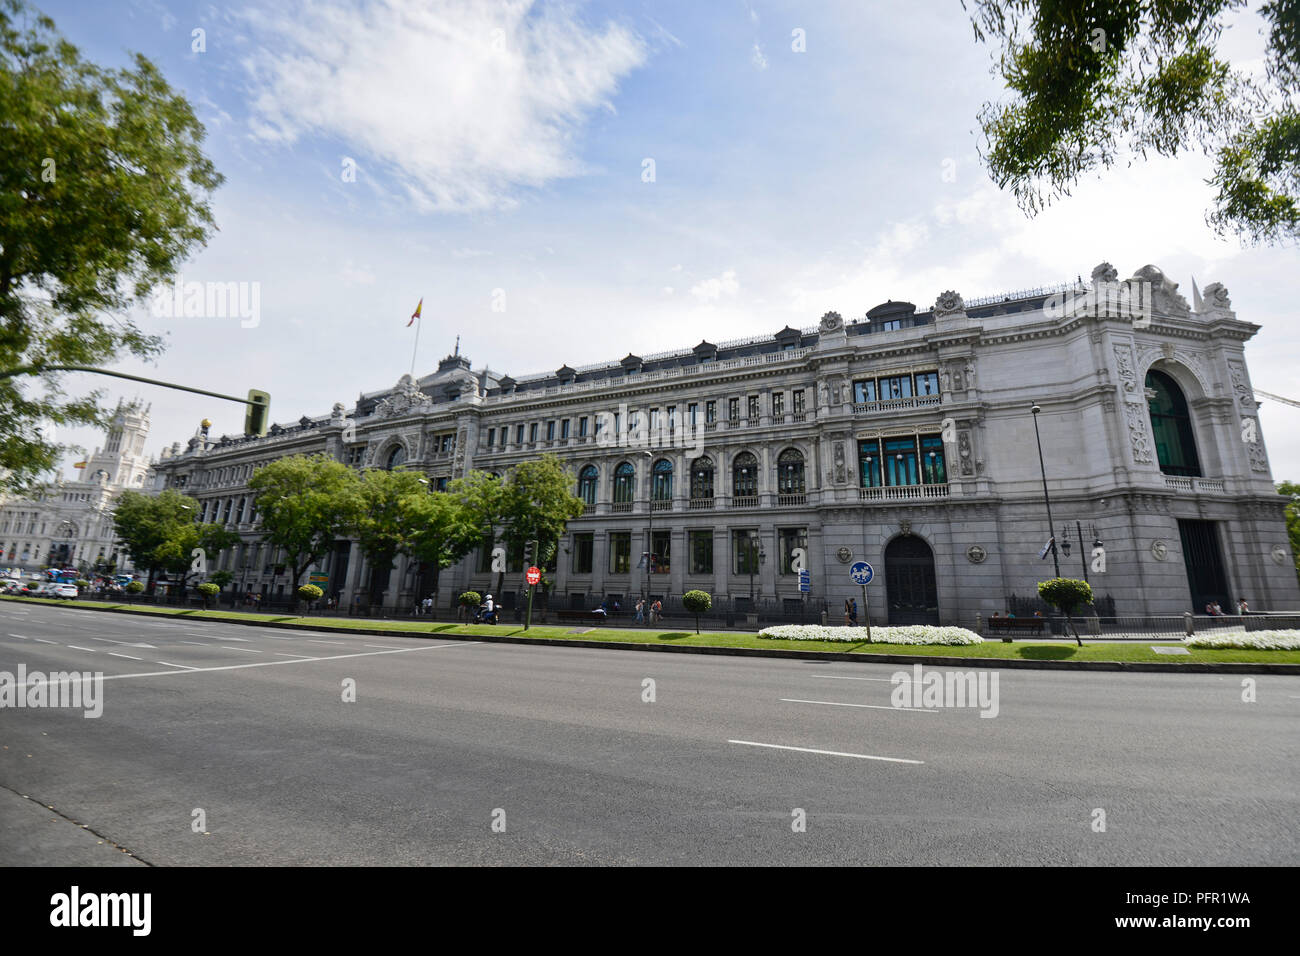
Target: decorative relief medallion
1279 554
975 554
844 555
831 322
948 303
1159 550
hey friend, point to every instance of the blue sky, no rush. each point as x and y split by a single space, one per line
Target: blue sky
499 150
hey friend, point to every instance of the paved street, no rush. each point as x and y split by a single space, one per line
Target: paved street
250 726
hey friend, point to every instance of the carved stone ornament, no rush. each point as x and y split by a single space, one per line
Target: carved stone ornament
1124 363
1104 272
831 322
1164 291
1279 554
844 555
1137 433
1238 373
948 303
905 528
839 463
1159 550
405 398
964 453
975 554
1215 297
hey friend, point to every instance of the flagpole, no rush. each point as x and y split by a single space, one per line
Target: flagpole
418 323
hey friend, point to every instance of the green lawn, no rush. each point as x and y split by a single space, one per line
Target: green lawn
1137 651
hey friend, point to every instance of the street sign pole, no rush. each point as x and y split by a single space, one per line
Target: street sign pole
529 619
532 576
866 613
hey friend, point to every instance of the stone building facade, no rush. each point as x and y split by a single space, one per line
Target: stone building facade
71 523
902 438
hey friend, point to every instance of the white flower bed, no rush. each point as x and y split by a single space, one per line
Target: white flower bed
1248 640
909 634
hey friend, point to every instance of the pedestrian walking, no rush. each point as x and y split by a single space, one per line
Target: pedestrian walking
853 612
640 611
656 611
847 611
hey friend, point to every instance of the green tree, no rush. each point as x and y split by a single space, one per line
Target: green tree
305 503
384 524
538 503
209 590
221 578
1292 490
1066 594
442 531
697 603
1094 82
104 192
160 532
483 501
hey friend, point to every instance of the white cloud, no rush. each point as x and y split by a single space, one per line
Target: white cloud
357 275
757 57
711 290
461 101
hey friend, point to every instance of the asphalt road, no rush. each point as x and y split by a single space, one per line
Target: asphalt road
249 725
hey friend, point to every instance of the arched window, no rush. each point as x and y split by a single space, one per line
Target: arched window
789 472
661 480
1171 424
587 479
744 475
396 457
624 483
702 478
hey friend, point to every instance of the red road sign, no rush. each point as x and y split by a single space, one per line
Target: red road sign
533 576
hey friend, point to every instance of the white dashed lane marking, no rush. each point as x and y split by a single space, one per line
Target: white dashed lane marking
127 656
182 666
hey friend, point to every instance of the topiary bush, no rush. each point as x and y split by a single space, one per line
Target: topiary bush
470 599
208 590
134 587
697 603
309 593
1066 594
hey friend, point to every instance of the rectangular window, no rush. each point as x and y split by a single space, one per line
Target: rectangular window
672 418
733 409
620 552
550 430
933 469
899 386
892 325
582 427
532 432
797 401
791 539
519 434
564 428
661 551
710 412
584 546
692 414
654 420
440 484
778 403
744 552
701 548
492 434
753 406
869 463
927 383
864 390
900 462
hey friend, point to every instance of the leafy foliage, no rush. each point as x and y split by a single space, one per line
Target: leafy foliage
697 603
304 503
104 191
309 593
470 599
160 532
1292 490
1094 81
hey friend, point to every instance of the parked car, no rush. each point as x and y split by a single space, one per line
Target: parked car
62 591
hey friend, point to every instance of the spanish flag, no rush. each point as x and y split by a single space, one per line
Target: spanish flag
79 464
416 314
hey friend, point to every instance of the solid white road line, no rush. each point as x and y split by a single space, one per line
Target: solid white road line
833 703
127 656
309 660
829 753
885 680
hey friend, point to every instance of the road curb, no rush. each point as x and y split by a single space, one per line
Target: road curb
1192 667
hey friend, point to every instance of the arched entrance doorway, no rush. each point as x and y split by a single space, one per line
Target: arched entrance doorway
910 589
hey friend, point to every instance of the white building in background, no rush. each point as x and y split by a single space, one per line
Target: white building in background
71 523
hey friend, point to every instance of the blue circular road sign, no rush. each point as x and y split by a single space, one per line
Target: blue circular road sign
861 572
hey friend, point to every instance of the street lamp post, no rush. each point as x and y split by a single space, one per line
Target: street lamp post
755 556
1051 543
650 523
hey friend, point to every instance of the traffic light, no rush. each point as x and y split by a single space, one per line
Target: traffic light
258 413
